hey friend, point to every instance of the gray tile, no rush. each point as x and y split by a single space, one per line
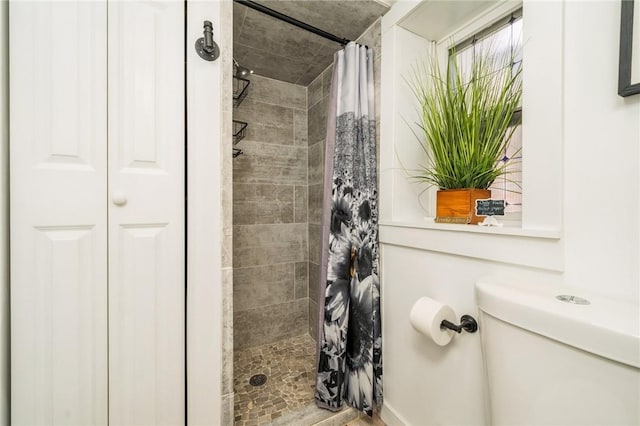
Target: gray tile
317 121
256 245
265 33
278 50
264 235
266 133
300 128
311 415
300 204
267 123
327 74
227 331
289 365
227 231
315 202
378 151
314 271
316 163
269 234
269 324
268 64
339 419
259 286
262 193
302 280
255 256
371 37
314 70
349 18
314 243
276 92
314 92
313 319
227 409
256 203
225 149
239 12
376 86
267 163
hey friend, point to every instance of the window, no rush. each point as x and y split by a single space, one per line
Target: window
503 35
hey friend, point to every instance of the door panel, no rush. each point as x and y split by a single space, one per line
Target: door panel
146 232
61 211
58 212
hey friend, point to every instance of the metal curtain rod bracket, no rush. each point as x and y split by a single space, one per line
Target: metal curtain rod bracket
281 16
206 48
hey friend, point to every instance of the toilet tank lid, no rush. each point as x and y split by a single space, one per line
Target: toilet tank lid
605 327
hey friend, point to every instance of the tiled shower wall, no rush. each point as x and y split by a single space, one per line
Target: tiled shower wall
317 102
270 249
317 99
277 199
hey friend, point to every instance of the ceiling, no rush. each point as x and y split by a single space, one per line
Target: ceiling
279 50
450 15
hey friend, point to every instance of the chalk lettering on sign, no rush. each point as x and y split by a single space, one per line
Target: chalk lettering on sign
489 207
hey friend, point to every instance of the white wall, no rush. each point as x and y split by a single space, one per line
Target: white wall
4 212
602 140
598 246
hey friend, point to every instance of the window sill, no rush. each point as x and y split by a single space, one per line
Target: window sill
509 228
514 245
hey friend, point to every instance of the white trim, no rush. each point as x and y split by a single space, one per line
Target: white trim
390 416
542 170
4 213
479 22
510 228
535 251
401 49
398 12
205 110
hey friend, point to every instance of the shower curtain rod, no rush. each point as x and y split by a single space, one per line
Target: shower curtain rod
281 16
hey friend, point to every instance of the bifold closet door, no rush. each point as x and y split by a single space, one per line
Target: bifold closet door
97 212
146 212
58 162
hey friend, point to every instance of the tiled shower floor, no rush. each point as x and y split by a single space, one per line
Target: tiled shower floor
289 365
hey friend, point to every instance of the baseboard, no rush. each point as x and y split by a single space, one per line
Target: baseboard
390 417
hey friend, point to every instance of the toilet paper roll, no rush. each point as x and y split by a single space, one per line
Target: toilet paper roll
427 315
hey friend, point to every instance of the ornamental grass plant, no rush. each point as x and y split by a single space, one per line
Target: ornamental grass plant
466 117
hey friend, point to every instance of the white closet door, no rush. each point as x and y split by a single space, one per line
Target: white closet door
58 212
146 213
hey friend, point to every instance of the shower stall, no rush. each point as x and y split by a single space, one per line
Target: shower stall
282 79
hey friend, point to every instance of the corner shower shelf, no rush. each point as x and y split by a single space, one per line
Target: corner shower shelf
240 86
239 131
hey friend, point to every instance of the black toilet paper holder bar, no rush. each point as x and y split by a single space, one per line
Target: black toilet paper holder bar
467 323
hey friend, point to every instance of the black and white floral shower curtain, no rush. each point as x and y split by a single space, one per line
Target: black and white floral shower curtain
349 334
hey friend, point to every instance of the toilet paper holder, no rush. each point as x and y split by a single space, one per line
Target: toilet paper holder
467 323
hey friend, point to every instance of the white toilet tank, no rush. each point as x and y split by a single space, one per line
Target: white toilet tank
552 362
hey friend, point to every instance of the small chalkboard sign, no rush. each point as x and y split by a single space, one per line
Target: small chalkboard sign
489 207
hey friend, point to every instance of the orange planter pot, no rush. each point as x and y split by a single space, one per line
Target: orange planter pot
459 205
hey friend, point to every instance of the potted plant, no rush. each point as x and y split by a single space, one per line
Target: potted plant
466 118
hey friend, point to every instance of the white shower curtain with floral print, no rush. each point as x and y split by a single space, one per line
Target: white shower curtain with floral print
349 334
